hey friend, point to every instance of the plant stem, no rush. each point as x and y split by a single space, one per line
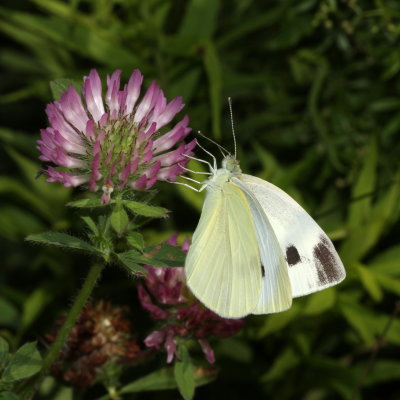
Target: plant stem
73 315
63 333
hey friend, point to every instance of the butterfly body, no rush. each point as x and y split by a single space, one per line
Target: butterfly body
255 248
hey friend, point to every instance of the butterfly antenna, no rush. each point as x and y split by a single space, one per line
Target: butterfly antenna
233 128
221 149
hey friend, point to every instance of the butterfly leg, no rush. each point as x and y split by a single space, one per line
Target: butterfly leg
195 172
190 179
200 160
188 186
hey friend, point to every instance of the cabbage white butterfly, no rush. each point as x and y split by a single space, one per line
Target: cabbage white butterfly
255 248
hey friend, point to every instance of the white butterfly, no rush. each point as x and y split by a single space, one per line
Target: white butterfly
255 248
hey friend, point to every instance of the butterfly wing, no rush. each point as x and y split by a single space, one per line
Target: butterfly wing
222 266
276 293
312 260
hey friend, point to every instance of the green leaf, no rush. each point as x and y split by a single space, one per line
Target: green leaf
200 20
19 191
359 210
164 379
367 323
332 374
144 209
370 283
158 380
131 260
8 396
33 306
383 371
9 315
285 361
18 140
184 376
4 348
384 213
87 203
387 262
136 207
213 68
41 188
119 219
236 349
165 255
59 86
63 240
91 224
276 322
135 240
17 222
72 33
185 84
358 318
23 364
387 282
250 25
320 302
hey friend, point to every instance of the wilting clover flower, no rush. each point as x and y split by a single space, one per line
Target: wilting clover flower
101 335
114 143
168 300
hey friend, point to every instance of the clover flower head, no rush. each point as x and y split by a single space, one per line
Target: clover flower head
167 298
113 141
101 335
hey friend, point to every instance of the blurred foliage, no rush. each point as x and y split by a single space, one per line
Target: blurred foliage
315 88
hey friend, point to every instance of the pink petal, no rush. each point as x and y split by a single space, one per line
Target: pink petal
172 157
67 179
113 84
58 122
170 173
152 171
155 339
207 350
69 147
139 184
93 95
67 161
170 111
166 141
170 346
146 135
133 91
72 109
148 102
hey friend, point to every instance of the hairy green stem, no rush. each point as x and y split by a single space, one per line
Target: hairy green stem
63 333
76 309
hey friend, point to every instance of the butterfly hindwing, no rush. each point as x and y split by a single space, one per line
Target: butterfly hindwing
223 267
312 260
276 293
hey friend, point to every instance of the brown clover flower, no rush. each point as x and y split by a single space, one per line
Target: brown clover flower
101 335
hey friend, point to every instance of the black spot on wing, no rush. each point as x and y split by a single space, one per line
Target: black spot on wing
327 267
262 270
292 255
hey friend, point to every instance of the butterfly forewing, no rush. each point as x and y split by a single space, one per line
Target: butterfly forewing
312 260
223 267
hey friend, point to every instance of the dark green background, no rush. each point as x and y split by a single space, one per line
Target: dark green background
315 88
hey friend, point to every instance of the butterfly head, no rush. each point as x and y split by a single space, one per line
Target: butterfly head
231 164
